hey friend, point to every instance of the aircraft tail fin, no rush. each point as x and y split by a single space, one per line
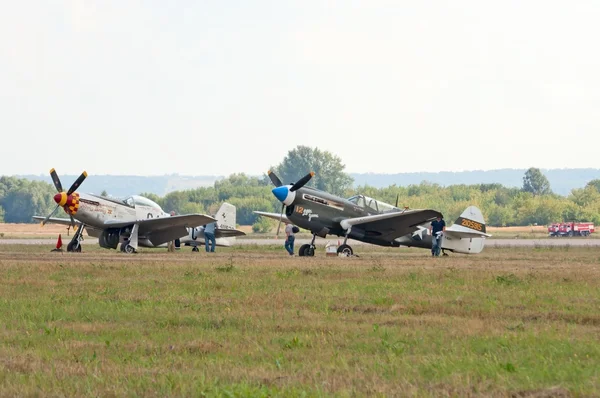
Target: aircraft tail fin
226 216
470 224
467 234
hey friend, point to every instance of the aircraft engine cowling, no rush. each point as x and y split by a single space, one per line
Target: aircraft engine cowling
109 239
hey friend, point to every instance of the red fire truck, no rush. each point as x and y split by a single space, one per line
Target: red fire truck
571 229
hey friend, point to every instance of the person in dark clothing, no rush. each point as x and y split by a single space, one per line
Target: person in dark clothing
437 228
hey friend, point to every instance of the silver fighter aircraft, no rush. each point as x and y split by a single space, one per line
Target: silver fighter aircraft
131 222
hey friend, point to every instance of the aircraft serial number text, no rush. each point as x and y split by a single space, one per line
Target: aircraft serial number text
471 224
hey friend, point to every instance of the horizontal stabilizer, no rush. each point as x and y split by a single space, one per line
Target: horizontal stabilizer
228 233
465 234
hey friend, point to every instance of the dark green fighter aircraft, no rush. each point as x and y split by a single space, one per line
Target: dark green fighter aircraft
369 220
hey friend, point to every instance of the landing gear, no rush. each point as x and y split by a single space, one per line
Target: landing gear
195 249
75 243
308 250
345 250
130 245
127 248
74 246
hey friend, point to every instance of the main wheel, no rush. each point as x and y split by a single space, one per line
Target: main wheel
74 246
129 249
310 251
345 250
302 250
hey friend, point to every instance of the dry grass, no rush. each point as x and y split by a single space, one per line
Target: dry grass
514 322
526 229
21 231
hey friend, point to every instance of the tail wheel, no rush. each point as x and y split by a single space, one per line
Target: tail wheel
129 249
345 250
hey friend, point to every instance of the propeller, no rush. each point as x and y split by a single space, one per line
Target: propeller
280 216
277 182
297 185
77 183
397 197
56 180
63 196
302 182
50 215
274 179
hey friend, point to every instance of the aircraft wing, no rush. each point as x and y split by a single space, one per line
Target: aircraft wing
228 233
61 221
274 216
56 220
152 224
389 226
164 229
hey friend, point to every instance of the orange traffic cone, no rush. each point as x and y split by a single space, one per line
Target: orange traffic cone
58 244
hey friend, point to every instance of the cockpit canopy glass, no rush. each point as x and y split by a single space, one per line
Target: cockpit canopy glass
141 201
371 204
136 200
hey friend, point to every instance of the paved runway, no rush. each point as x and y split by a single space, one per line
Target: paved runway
558 242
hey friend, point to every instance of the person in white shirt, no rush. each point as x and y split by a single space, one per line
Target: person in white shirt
289 240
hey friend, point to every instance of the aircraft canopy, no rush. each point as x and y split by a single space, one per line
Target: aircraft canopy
137 200
371 204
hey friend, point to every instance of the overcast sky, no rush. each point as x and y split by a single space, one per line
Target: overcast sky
218 87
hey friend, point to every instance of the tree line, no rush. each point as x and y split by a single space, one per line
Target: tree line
534 203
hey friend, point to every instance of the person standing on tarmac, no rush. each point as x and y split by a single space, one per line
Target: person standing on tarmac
437 228
209 236
290 238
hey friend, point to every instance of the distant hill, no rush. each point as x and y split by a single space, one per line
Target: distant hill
562 181
132 185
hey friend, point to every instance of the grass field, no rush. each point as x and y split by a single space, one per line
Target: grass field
250 322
